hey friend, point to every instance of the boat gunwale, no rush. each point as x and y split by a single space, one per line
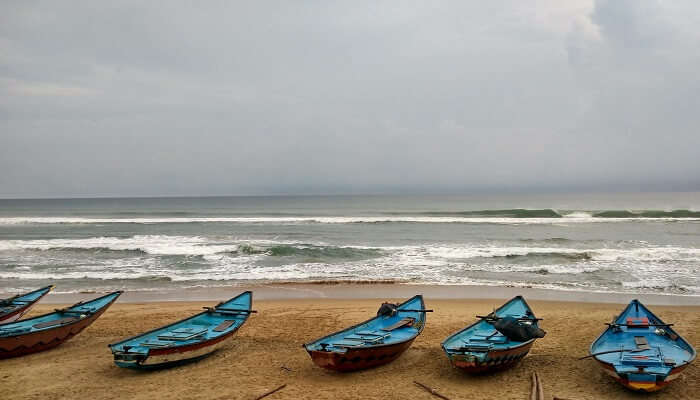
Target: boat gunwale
58 312
453 351
247 315
24 308
373 346
48 289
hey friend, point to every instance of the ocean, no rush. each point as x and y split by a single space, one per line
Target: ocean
639 243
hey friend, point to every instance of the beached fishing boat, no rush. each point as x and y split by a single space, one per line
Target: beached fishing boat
184 341
13 308
49 330
640 351
497 341
374 342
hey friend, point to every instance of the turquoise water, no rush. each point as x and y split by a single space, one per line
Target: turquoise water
648 243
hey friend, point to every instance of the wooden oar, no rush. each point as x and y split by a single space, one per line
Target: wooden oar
214 309
487 317
612 351
638 326
67 311
415 310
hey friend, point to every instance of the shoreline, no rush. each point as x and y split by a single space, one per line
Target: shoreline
266 354
349 291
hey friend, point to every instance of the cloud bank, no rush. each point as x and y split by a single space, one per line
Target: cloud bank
162 98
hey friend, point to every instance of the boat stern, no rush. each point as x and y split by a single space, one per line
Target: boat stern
477 361
642 382
127 359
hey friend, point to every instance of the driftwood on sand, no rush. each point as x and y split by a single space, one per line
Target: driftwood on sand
270 392
431 391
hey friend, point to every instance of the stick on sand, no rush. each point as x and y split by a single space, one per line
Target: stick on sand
536 391
431 391
270 392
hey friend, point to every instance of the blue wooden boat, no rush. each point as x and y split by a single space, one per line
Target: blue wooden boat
481 347
184 341
640 351
14 308
46 331
374 342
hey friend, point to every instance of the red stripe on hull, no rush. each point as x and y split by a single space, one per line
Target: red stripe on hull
357 359
35 342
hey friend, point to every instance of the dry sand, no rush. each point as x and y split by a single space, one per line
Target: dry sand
253 360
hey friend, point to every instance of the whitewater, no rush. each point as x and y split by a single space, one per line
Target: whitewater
604 244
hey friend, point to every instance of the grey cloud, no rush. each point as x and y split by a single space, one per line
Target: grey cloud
158 98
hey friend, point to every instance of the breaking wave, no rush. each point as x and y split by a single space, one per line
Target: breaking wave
506 216
191 246
145 261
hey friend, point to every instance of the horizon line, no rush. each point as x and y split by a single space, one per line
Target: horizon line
367 194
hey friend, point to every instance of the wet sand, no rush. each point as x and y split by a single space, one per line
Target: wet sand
373 290
267 352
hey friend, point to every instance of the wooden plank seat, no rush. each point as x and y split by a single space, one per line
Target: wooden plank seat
60 321
182 334
347 343
74 312
224 325
637 322
641 342
367 339
488 338
375 333
156 344
476 346
398 324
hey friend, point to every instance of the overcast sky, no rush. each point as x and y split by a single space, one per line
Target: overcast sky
133 98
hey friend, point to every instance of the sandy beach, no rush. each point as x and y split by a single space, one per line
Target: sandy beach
267 353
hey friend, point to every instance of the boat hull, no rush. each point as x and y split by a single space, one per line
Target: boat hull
357 359
188 340
15 315
494 360
166 358
16 346
652 383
